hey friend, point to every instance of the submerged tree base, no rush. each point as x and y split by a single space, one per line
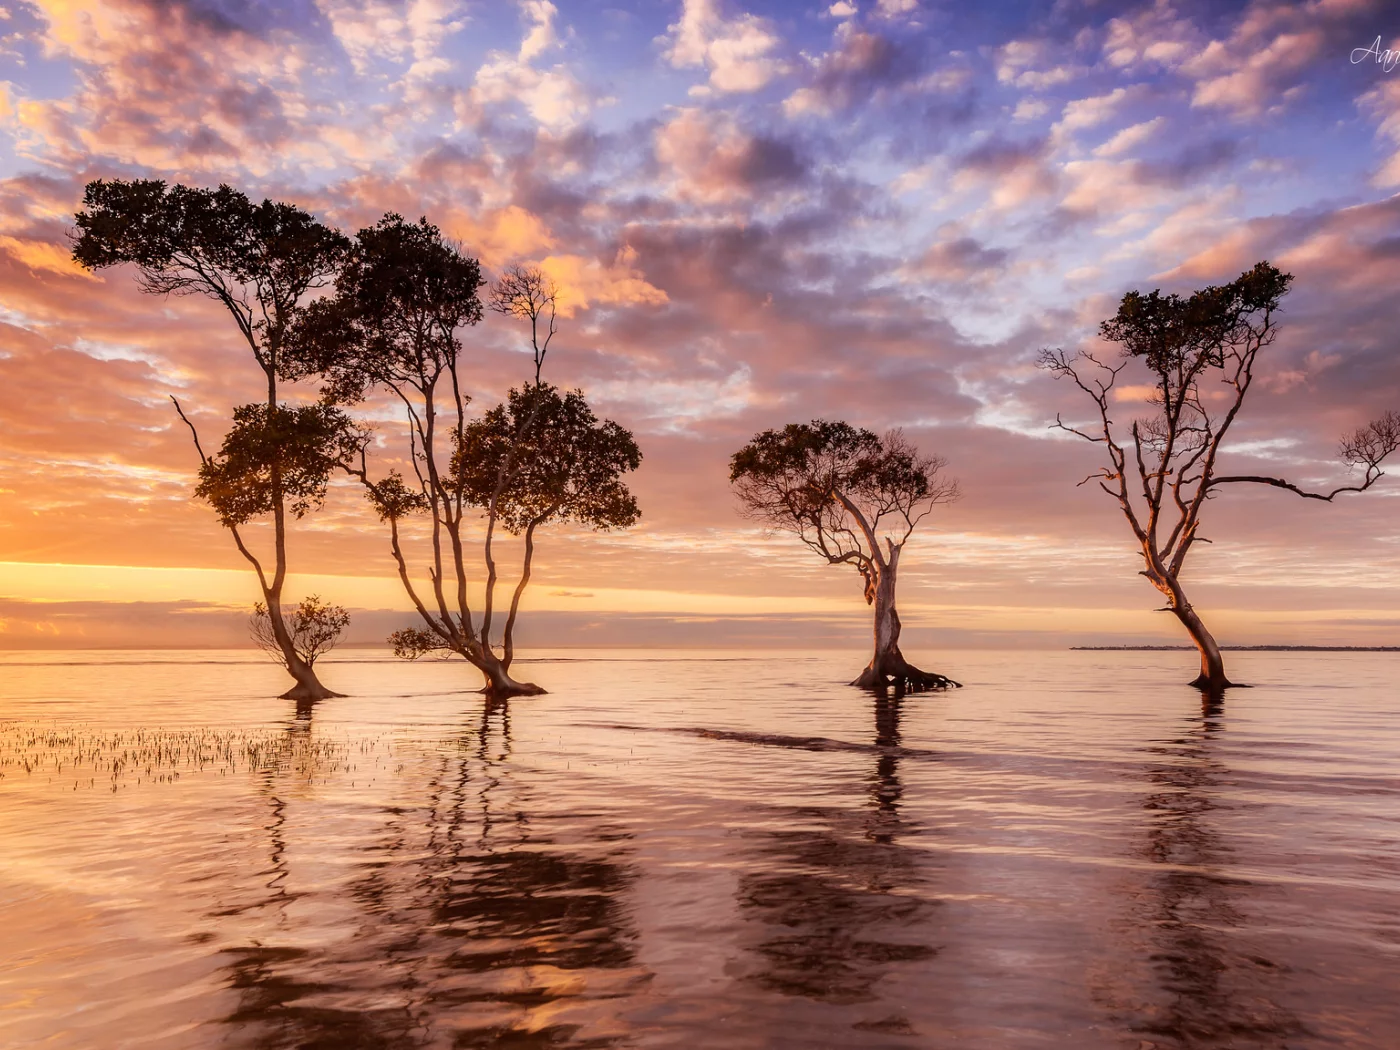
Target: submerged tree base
304 691
1215 685
893 671
506 690
501 686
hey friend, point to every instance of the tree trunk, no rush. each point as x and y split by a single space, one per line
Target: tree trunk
308 686
887 665
1212 676
499 684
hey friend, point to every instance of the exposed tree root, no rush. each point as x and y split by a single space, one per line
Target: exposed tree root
500 685
1204 681
1215 686
892 671
504 691
309 691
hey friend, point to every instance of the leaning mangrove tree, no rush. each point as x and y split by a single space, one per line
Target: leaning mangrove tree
854 498
1199 353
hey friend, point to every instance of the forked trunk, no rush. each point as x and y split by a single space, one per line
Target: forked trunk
887 665
499 684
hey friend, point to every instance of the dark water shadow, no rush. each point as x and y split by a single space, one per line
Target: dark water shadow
276 988
1210 988
839 903
481 918
796 743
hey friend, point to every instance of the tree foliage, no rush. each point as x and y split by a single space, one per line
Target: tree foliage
839 488
314 626
258 260
412 643
401 297
544 456
392 499
286 455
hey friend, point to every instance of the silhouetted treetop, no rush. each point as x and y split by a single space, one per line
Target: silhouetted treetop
285 455
529 294
836 486
401 294
544 456
1180 336
259 260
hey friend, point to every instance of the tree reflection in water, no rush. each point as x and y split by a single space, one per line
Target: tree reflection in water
1214 994
838 906
483 920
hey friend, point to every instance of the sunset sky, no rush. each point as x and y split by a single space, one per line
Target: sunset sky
875 210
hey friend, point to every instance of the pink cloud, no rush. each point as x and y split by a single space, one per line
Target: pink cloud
739 52
712 159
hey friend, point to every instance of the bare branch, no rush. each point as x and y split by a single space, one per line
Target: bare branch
530 294
193 432
1368 446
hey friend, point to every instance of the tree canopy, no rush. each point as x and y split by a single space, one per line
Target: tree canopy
1178 337
282 455
258 260
838 488
544 456
401 296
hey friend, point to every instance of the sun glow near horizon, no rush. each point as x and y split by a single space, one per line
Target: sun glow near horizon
58 605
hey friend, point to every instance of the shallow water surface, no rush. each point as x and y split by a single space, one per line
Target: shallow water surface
699 849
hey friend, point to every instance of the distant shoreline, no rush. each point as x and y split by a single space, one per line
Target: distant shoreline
1241 648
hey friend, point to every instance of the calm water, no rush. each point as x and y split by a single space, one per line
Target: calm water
700 850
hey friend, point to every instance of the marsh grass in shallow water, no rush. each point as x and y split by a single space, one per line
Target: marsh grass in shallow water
91 755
